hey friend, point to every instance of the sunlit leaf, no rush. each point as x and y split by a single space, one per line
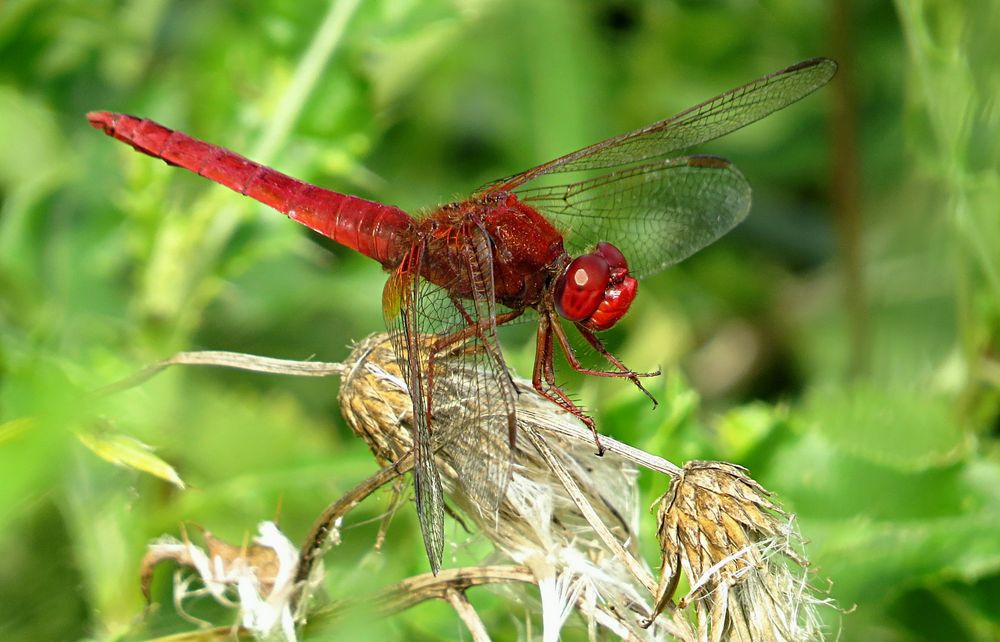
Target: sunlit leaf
15 428
126 451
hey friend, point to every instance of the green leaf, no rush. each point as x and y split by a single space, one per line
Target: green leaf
126 451
744 428
870 561
909 430
14 429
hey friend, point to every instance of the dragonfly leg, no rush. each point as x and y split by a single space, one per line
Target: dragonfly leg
543 377
598 345
473 328
595 341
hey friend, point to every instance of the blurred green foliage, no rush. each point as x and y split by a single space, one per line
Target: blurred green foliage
109 261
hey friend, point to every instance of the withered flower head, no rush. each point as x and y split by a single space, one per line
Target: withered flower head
257 578
734 545
538 523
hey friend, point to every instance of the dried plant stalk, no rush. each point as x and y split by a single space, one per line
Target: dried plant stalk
256 578
568 518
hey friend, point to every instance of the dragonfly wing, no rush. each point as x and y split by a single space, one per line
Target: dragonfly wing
480 437
463 397
657 214
711 119
399 302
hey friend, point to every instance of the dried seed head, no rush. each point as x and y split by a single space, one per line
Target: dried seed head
377 407
733 543
537 523
256 578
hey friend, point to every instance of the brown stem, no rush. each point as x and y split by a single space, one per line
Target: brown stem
238 360
420 588
472 621
845 189
326 523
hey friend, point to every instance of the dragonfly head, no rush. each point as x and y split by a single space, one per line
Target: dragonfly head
596 289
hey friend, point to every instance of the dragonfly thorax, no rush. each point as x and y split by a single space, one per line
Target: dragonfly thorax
595 289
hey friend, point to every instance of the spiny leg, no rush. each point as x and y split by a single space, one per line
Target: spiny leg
472 328
598 345
479 326
544 381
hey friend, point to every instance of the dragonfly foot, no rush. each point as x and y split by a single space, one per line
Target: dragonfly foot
597 436
638 384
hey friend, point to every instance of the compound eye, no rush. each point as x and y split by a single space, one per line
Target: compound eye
580 289
614 257
616 302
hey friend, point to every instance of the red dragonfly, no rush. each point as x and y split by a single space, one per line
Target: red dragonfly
569 249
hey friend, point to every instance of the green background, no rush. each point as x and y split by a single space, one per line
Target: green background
851 361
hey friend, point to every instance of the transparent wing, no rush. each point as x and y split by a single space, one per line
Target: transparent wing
711 119
399 305
463 397
657 214
477 438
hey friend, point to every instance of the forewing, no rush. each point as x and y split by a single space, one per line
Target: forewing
657 214
400 301
709 120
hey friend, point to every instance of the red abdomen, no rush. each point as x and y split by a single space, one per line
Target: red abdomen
376 230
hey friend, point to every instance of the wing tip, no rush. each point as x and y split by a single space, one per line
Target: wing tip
828 65
708 161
